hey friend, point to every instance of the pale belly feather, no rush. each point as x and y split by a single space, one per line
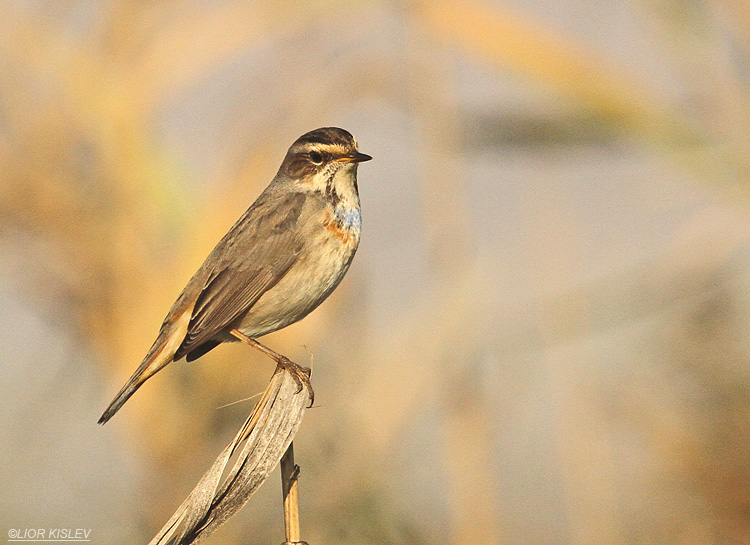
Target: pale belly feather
308 283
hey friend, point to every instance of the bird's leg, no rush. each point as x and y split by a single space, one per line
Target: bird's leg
301 375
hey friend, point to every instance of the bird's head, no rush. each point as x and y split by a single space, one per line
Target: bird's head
323 159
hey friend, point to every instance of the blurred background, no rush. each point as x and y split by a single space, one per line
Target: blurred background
543 339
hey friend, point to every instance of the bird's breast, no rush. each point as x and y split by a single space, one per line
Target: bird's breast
344 223
320 266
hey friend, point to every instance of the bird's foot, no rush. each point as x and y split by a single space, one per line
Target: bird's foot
301 376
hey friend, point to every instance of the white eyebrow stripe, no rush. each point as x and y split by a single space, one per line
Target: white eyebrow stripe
329 148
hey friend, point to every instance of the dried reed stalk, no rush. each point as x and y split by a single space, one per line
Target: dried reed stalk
260 443
289 475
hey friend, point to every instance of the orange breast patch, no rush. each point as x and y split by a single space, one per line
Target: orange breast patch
335 227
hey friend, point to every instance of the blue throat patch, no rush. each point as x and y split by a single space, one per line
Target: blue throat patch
348 217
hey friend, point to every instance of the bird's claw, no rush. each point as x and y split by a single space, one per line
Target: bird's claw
301 376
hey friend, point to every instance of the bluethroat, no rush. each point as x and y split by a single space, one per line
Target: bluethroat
282 258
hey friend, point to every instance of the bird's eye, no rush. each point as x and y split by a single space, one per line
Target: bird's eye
316 157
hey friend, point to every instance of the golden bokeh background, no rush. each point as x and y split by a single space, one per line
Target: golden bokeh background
544 338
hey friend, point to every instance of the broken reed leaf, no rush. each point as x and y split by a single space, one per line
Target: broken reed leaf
261 442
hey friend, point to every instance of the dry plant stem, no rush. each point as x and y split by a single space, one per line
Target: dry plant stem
256 449
289 478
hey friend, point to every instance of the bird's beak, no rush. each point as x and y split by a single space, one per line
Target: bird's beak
355 157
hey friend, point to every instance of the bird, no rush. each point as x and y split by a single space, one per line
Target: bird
279 261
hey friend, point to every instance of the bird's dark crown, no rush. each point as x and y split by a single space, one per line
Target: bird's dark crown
328 136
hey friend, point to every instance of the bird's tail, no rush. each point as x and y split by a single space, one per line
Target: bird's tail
162 352
150 365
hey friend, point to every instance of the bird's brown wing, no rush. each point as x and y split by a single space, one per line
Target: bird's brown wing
253 256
